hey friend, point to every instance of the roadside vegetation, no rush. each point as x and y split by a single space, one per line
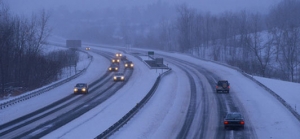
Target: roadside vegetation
23 64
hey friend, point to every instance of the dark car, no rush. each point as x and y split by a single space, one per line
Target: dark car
119 77
129 64
115 60
223 86
234 120
81 88
113 67
87 48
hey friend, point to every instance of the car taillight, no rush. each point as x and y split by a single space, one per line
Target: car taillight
225 122
242 122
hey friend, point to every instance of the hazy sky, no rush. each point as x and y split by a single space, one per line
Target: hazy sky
214 6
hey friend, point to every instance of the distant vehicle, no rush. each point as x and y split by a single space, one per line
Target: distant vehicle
115 60
87 48
81 88
234 120
129 64
118 55
119 77
113 67
223 86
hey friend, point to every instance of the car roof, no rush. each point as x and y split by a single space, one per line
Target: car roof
119 73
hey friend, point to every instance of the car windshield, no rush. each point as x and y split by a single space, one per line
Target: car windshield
234 116
80 85
119 74
221 83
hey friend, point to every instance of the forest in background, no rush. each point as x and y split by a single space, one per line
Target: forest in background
263 44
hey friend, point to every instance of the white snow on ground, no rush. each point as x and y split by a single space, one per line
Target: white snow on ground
159 117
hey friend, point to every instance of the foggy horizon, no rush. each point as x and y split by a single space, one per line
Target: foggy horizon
212 6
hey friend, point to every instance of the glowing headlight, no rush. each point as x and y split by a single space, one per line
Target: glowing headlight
118 60
75 89
120 54
131 65
83 89
115 78
116 68
113 60
122 77
126 65
109 68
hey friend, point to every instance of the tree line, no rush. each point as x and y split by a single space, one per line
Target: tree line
260 44
264 44
23 64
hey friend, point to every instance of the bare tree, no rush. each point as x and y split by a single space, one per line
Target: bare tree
262 51
286 36
185 25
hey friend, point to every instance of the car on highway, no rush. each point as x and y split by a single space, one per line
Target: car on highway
223 86
234 120
129 64
115 60
119 77
118 54
81 88
87 48
113 67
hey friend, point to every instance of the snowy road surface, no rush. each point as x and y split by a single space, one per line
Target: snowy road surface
161 116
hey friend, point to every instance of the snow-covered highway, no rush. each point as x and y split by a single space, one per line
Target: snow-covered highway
162 116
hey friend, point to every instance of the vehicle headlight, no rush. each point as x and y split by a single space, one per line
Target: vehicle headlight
113 60
115 78
83 89
118 60
126 65
109 68
131 65
120 54
122 77
116 68
75 89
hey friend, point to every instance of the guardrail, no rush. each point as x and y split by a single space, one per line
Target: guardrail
43 90
116 126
